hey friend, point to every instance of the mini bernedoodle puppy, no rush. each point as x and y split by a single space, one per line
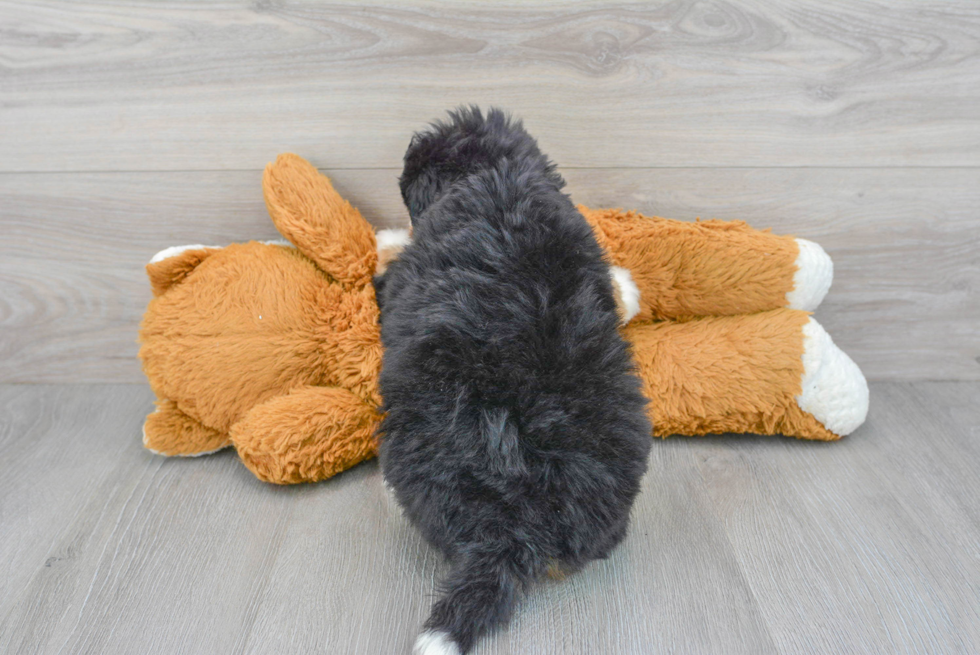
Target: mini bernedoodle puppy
515 434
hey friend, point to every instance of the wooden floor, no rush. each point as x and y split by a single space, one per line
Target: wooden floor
127 126
739 544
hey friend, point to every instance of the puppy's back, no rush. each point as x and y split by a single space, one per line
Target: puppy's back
506 282
514 433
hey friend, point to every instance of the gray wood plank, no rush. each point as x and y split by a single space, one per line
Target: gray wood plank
51 460
167 556
738 545
906 243
638 601
112 549
209 85
881 527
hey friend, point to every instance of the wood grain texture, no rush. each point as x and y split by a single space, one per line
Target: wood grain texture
881 530
757 545
906 244
90 86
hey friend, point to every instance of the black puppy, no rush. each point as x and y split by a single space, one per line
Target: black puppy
515 435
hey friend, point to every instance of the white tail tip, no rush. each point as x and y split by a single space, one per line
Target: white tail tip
435 643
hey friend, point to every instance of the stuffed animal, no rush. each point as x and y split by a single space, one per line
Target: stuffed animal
275 348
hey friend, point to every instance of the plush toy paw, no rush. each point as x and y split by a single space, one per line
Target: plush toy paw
390 242
834 390
627 293
775 372
171 265
169 431
812 278
306 435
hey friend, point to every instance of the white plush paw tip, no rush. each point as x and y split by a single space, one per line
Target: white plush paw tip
279 242
173 251
811 281
392 238
627 293
390 245
146 442
834 390
435 643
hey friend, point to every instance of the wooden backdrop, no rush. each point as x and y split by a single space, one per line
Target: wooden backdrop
126 127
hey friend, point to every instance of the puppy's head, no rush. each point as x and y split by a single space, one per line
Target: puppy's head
465 144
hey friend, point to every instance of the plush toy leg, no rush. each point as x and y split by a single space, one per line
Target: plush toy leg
776 372
391 242
308 211
169 431
170 266
711 268
309 434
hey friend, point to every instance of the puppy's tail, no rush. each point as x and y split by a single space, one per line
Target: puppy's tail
480 594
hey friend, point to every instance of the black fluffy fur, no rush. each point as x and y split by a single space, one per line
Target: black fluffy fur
515 434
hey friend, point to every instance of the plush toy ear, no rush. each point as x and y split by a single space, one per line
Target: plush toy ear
308 211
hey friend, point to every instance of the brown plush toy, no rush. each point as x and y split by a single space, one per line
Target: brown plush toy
275 347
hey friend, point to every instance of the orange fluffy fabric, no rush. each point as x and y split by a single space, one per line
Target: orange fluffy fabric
276 349
725 374
706 268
